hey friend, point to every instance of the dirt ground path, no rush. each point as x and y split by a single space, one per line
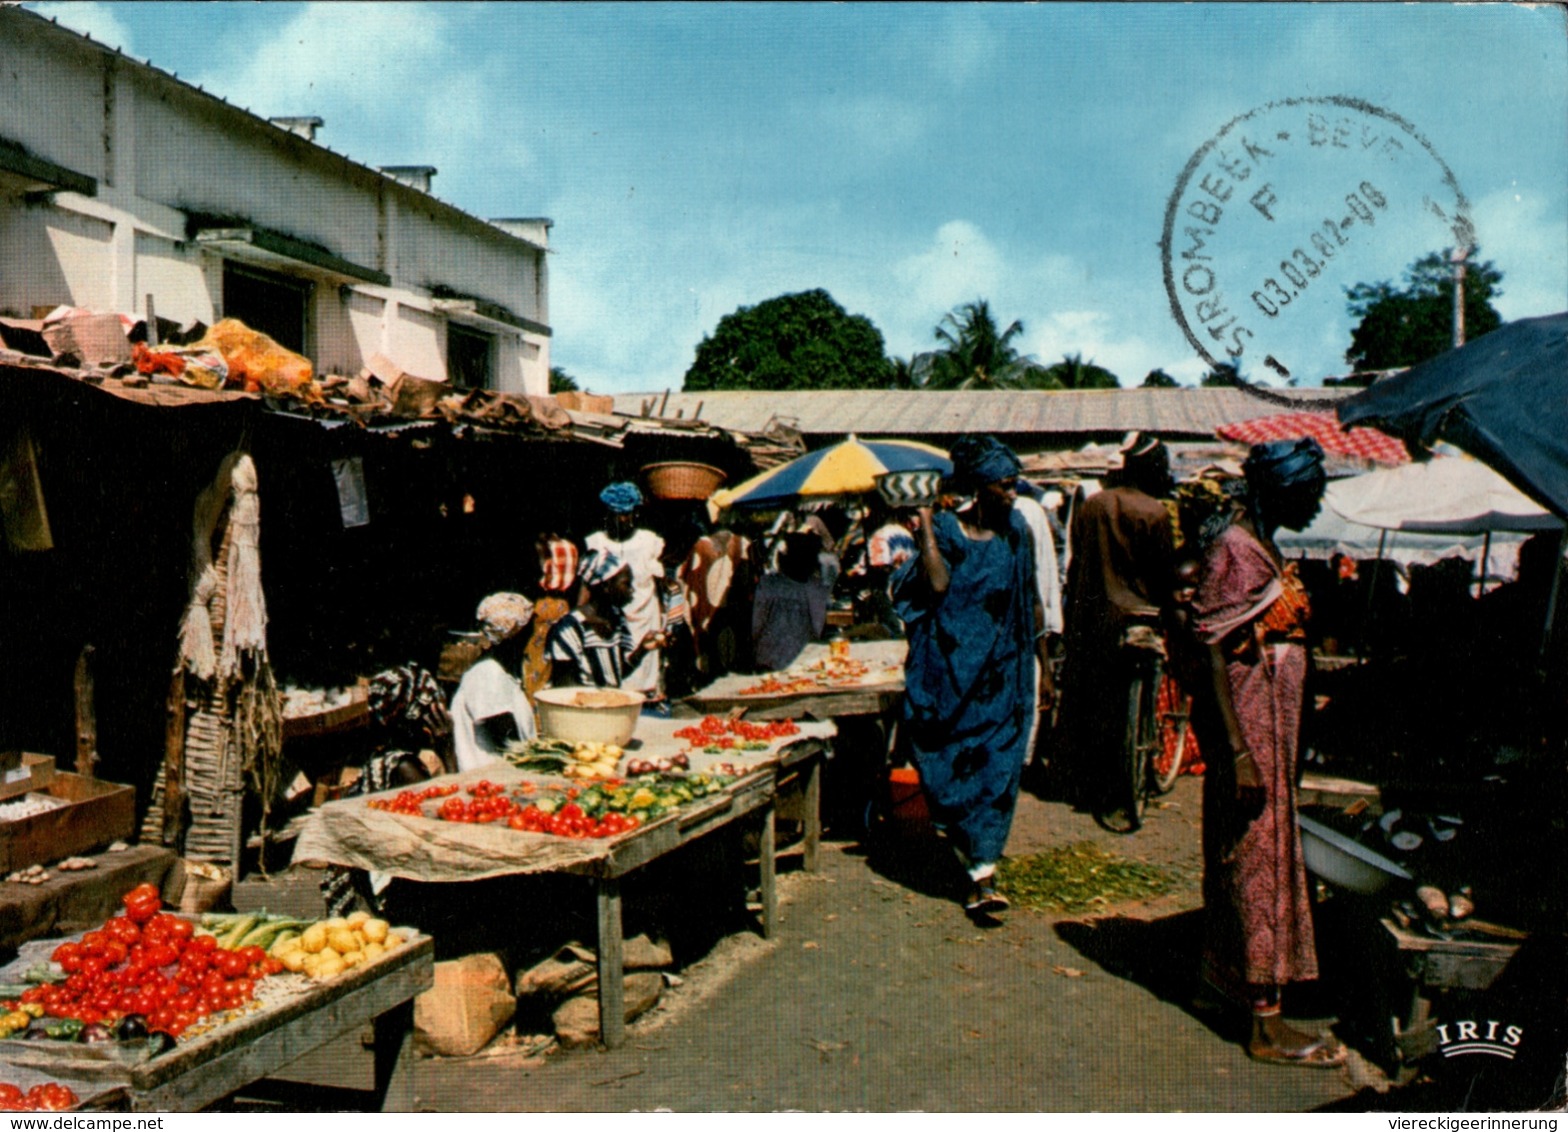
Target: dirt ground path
877 993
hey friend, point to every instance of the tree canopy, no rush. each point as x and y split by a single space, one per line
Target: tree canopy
1159 379
974 352
1072 372
800 341
1221 375
562 382
1400 326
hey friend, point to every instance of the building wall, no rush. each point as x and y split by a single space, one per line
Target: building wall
164 154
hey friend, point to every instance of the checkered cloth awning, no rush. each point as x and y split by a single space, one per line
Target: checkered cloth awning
1361 443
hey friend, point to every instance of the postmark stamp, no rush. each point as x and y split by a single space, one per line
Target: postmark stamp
1281 211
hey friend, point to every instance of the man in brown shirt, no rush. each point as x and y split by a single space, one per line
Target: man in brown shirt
1122 567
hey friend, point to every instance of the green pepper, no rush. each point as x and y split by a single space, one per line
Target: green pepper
64 1029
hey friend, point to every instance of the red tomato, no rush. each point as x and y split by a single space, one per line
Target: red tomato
204 943
232 965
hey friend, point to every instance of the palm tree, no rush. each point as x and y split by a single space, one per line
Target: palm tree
1072 372
977 354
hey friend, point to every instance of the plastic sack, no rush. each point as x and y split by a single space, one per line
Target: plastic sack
258 364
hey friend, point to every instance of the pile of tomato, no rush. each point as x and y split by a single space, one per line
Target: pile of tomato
409 801
716 732
150 963
49 1097
571 820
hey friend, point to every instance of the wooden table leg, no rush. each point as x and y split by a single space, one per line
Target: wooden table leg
767 865
813 815
612 978
394 1059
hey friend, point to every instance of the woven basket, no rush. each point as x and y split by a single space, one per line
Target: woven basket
679 480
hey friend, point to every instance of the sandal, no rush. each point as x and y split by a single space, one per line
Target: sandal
984 898
1326 1052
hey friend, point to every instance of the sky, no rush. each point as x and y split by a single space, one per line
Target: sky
909 158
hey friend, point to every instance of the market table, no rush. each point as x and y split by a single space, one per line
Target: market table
874 694
349 833
74 901
239 1052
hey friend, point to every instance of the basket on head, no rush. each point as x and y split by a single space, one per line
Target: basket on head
910 489
682 480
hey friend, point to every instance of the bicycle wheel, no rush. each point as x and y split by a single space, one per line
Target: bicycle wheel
1175 716
1129 793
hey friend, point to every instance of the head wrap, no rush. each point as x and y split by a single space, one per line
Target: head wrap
1281 464
598 567
981 460
560 566
621 498
502 616
408 696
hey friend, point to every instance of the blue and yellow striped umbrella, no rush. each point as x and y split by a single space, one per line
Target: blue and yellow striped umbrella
847 468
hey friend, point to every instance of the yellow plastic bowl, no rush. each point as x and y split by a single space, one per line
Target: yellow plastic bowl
588 715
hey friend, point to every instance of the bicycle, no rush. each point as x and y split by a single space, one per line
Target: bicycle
1156 738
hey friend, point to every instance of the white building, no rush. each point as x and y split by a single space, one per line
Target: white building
119 181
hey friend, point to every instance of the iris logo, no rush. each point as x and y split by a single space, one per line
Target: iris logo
1456 1039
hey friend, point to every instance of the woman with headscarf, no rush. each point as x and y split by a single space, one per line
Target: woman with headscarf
1250 611
975 629
641 551
557 586
489 708
593 645
407 715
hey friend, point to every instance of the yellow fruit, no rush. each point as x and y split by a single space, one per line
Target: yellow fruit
376 931
393 941
355 919
374 951
294 960
334 923
315 938
353 958
330 967
310 962
342 941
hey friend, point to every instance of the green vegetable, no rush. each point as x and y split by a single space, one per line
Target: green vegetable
231 938
63 1029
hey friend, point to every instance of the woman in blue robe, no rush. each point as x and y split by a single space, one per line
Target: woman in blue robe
969 604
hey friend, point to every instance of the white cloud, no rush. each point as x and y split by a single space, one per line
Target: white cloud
89 17
395 68
959 265
1521 232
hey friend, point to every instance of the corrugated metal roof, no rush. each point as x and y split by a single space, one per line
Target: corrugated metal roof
880 412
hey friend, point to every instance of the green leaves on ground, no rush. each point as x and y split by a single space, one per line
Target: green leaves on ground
1076 878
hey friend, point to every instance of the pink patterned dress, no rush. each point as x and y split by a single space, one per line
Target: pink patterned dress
1258 928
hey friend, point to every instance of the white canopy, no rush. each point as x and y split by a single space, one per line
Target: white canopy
1446 494
1331 534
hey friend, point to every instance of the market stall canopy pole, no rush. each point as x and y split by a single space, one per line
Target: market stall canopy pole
847 468
1503 398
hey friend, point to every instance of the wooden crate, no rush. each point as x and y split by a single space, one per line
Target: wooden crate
96 813
22 772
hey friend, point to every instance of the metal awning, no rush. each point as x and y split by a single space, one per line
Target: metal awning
484 315
266 248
